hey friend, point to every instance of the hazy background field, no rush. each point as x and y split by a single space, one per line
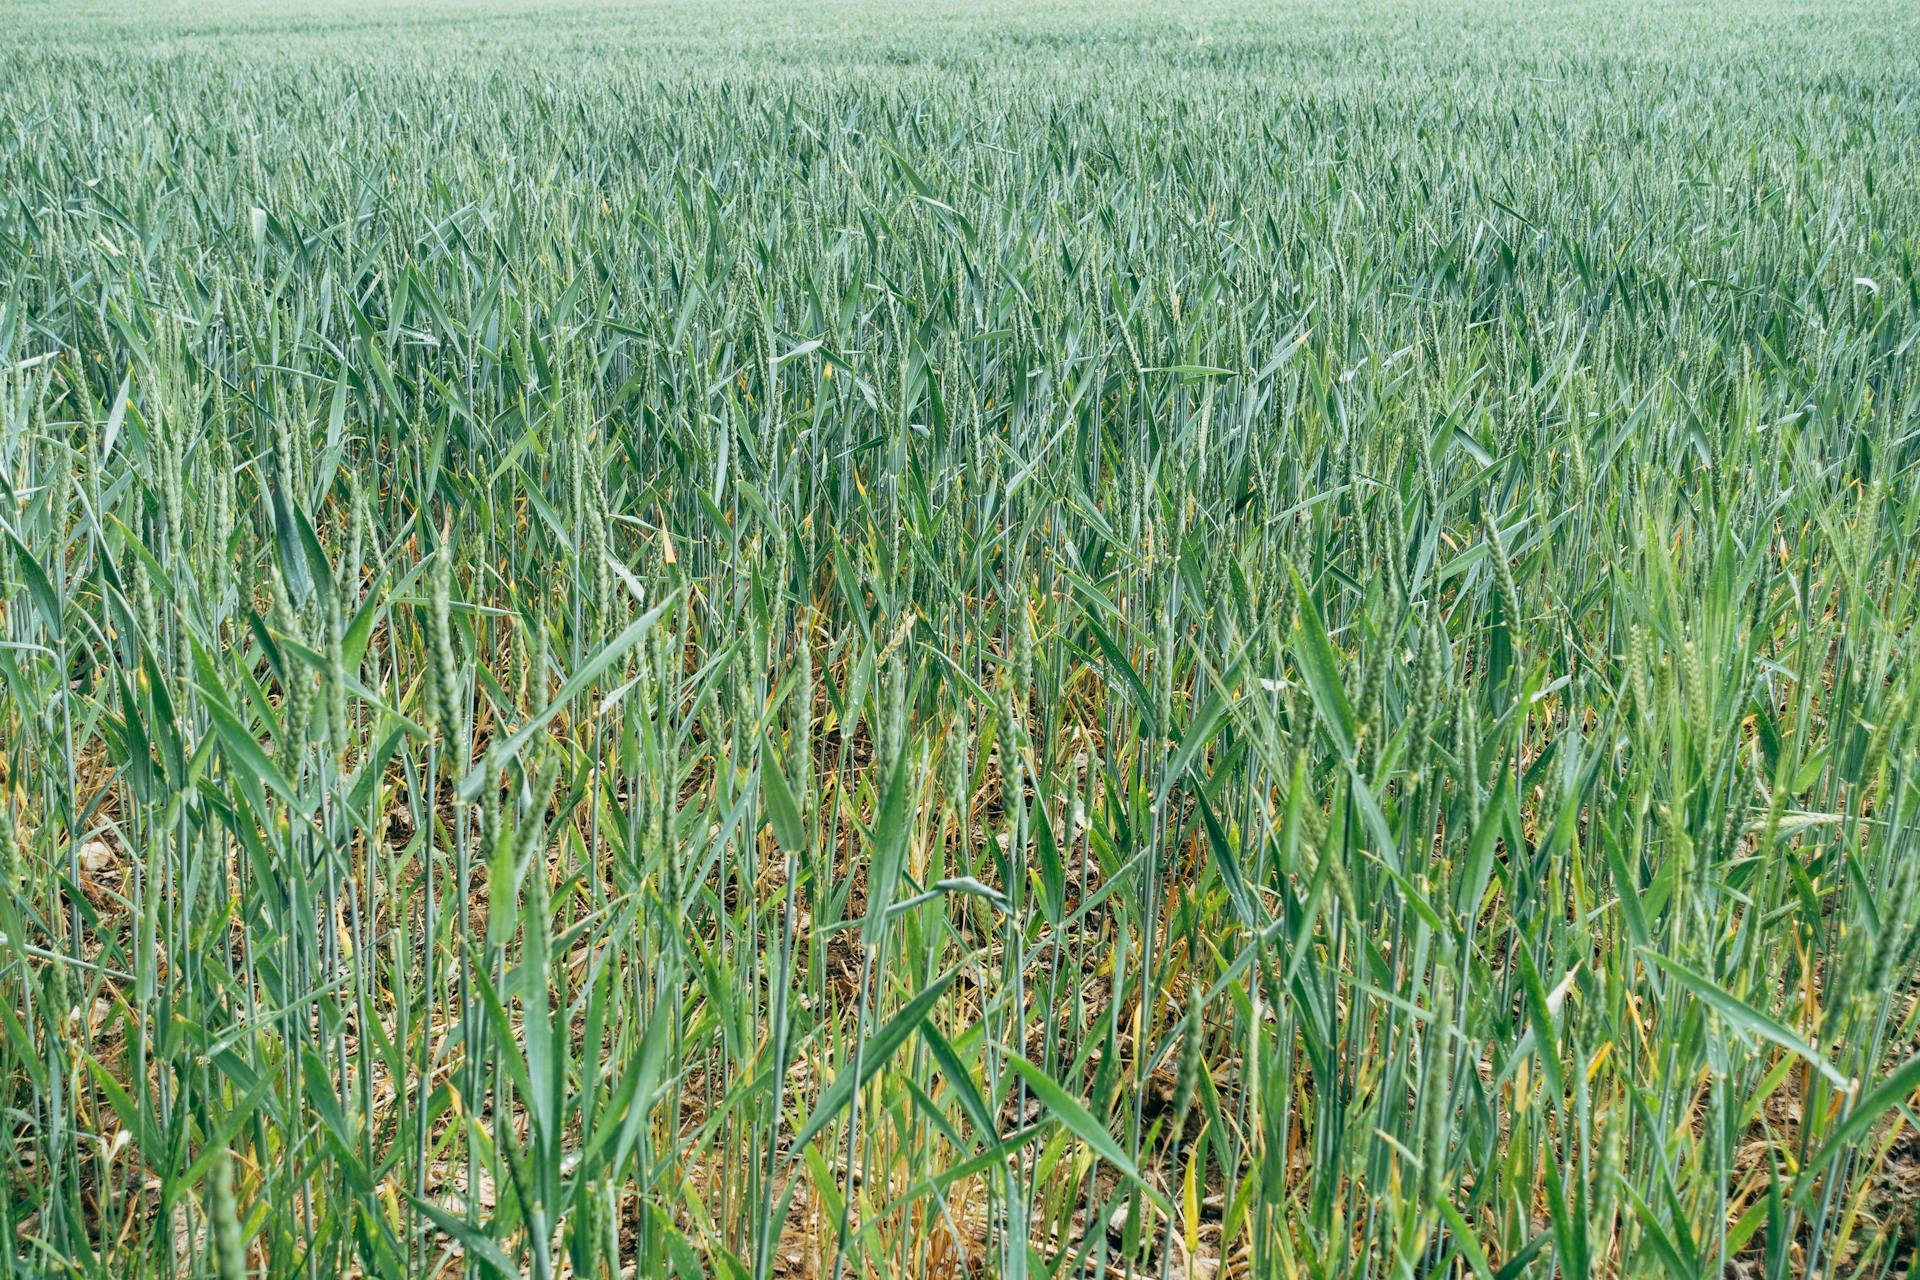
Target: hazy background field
865 639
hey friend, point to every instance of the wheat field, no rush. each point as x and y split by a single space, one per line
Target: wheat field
851 639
